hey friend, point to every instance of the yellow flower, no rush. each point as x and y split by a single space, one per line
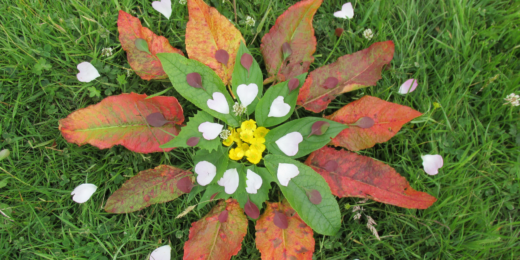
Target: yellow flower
246 135
244 147
257 147
249 125
261 132
228 141
253 156
236 154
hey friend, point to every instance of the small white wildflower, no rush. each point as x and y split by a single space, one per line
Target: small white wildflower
250 21
107 52
368 34
225 134
238 109
356 208
183 2
357 216
512 99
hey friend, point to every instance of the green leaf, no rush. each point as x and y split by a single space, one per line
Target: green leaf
211 190
281 89
324 218
242 76
262 194
194 191
192 130
304 127
142 45
177 67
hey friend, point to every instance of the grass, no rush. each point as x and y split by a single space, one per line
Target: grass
464 54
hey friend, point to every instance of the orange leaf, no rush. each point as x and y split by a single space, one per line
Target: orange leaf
353 71
121 120
351 175
294 242
388 118
212 239
147 66
207 32
294 27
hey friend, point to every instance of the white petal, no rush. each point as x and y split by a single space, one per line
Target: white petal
229 181
432 163
210 130
253 182
83 192
87 72
247 93
279 108
219 103
347 11
206 171
408 86
286 171
161 253
164 7
289 143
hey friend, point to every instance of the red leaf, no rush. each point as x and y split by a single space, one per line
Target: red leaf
223 216
353 71
222 56
194 79
388 119
185 184
147 66
207 32
146 188
211 239
314 196
339 32
156 119
251 209
294 27
364 177
294 242
121 120
246 60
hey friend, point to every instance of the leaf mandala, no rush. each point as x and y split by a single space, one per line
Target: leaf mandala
354 175
146 65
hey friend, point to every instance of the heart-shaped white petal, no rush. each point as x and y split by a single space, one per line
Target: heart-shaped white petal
210 130
161 253
164 7
286 172
347 12
408 86
83 192
219 103
229 181
87 72
432 163
289 143
279 108
253 182
206 171
247 93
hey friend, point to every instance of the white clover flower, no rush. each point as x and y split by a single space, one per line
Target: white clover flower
183 2
368 34
107 52
512 99
238 109
250 21
225 134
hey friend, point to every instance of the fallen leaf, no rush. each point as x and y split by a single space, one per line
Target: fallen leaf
293 27
147 188
211 239
353 71
121 119
208 32
294 242
387 117
147 66
363 177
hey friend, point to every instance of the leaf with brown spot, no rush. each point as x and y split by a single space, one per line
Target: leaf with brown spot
147 188
387 117
295 242
207 32
353 71
363 177
211 239
146 65
122 120
294 27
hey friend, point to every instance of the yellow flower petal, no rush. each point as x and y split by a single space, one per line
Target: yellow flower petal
253 156
228 141
257 147
246 135
236 154
261 132
248 125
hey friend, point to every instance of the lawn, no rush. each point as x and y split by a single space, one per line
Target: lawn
465 55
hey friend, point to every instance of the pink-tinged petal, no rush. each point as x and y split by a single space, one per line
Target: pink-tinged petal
83 192
87 72
285 172
253 182
164 7
205 171
210 130
432 163
279 108
161 253
229 181
219 103
288 143
347 11
408 86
